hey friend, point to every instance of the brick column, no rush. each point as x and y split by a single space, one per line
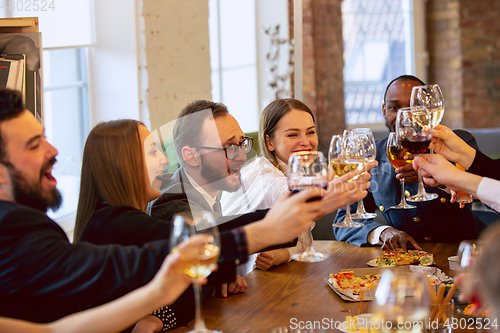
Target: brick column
465 60
480 31
323 66
445 56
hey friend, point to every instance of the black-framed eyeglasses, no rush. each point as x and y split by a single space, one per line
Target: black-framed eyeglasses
232 150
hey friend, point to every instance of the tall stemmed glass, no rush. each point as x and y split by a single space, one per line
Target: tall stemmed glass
370 149
468 253
396 154
414 131
198 259
432 98
346 154
307 169
402 299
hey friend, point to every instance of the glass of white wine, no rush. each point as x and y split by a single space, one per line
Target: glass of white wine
370 149
345 155
468 254
402 302
198 258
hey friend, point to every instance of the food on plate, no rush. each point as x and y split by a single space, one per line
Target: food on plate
399 257
471 310
348 281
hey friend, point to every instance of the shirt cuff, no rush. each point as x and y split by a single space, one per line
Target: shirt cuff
240 239
374 235
488 192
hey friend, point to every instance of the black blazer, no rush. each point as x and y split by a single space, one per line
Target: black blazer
44 277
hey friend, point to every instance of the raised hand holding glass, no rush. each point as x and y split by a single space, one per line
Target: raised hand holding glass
199 258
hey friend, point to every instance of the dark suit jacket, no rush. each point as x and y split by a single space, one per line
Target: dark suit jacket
437 220
44 277
179 196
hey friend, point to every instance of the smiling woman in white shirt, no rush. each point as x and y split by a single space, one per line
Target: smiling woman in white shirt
286 125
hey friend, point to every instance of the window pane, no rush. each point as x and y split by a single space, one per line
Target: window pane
374 54
65 104
239 90
60 67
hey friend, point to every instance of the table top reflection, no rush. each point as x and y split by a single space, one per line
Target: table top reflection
297 292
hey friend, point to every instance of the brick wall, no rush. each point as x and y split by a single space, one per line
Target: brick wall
480 30
445 56
323 65
464 53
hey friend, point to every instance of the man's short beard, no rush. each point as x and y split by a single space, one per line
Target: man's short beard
31 195
215 177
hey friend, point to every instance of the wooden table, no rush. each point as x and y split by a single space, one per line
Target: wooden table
298 290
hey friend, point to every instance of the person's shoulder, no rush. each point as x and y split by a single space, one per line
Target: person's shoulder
8 209
110 212
258 164
17 217
382 142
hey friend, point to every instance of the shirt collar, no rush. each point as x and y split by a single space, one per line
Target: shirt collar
211 201
282 165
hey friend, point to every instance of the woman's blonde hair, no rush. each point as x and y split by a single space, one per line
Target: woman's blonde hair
112 170
269 119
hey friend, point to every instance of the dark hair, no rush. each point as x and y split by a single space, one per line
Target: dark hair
270 117
11 106
112 170
403 78
187 130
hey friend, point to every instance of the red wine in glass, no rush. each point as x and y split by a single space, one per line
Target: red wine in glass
297 188
416 144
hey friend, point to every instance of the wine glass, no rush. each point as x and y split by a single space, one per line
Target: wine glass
396 153
468 253
370 149
402 299
199 258
307 169
414 131
346 154
432 98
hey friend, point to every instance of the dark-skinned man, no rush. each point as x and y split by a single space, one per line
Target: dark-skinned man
438 220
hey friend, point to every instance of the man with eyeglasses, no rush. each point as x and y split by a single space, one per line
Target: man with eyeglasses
212 148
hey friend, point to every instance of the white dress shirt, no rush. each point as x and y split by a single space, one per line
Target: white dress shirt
262 185
488 192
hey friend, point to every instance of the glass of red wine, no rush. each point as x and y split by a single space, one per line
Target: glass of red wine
307 169
414 130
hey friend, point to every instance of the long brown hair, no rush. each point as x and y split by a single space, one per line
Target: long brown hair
269 119
112 170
